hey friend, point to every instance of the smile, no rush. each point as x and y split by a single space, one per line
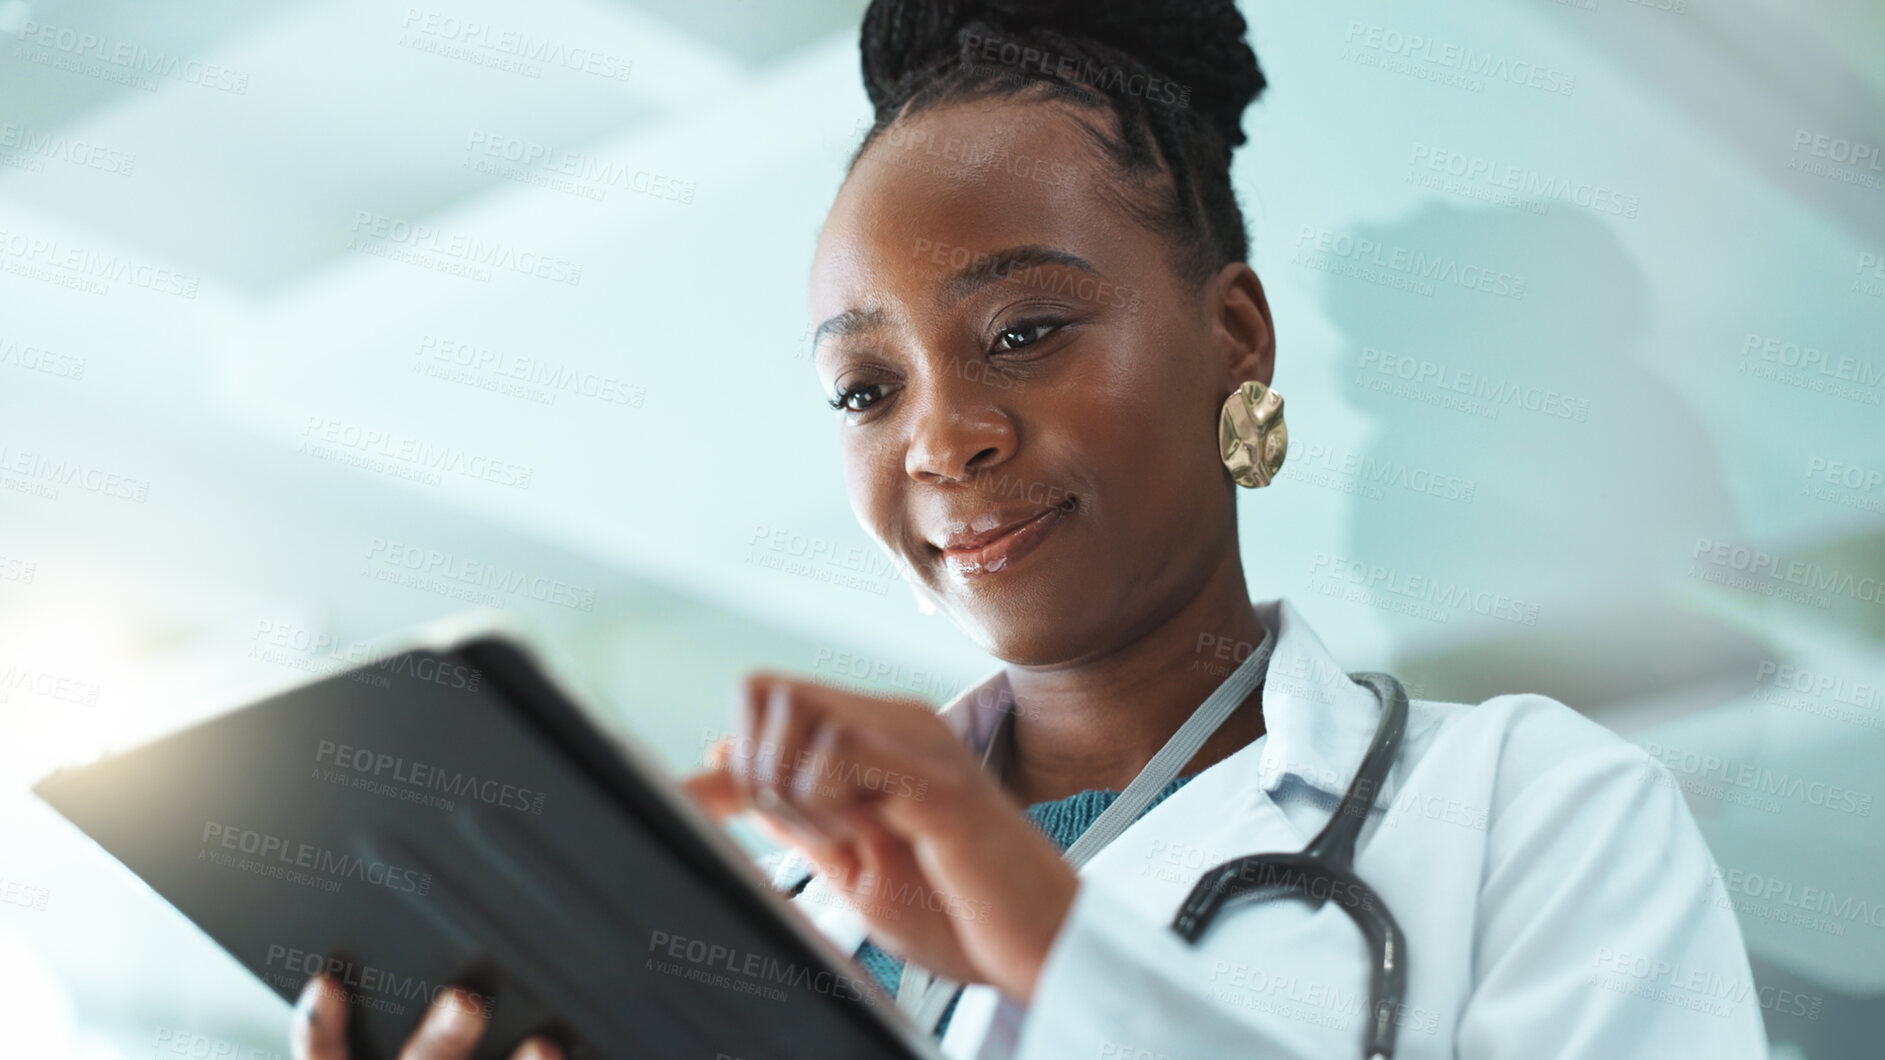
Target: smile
991 554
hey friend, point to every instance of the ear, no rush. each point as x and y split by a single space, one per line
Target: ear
1240 325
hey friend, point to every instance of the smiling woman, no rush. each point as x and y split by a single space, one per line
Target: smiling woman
1047 393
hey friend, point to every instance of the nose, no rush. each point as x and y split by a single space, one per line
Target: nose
954 436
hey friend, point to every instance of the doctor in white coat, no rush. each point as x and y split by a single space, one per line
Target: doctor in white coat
1049 362
1036 322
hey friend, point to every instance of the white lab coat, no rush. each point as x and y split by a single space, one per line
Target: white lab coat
1556 896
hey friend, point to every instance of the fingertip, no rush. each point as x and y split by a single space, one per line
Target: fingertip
538 1048
455 1020
320 1020
716 792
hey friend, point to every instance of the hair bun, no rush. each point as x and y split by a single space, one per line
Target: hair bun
1197 44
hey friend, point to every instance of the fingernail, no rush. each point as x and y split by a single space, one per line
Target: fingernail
453 1013
538 1049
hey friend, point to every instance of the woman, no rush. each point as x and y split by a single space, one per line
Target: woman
1035 304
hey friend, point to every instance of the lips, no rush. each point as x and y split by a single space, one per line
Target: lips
992 541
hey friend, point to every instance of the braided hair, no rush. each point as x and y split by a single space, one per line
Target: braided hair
1173 75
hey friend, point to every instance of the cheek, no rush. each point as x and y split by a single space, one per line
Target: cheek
1149 436
871 482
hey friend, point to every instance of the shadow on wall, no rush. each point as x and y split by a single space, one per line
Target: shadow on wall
1507 354
1531 485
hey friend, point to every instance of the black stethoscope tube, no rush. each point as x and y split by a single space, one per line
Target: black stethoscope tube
1324 870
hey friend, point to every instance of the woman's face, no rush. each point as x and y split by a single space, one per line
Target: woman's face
1018 358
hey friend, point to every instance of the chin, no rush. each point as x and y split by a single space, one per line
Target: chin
1032 626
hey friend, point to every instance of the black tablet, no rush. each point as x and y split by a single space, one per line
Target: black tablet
448 815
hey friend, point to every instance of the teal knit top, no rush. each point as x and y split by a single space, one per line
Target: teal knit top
1064 820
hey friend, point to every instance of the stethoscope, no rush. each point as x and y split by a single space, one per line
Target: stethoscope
1323 871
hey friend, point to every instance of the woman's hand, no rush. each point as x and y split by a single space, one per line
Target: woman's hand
450 1031
902 821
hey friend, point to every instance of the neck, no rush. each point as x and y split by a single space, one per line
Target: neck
1096 724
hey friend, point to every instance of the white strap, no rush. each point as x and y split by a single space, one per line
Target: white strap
923 997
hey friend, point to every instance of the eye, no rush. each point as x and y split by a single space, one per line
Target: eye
857 398
1024 333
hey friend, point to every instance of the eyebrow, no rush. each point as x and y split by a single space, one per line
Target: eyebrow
971 278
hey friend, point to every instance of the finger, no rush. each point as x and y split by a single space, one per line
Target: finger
451 1029
720 797
319 1030
780 721
717 792
751 710
774 722
821 787
538 1048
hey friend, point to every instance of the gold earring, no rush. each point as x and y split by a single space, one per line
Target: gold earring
1252 438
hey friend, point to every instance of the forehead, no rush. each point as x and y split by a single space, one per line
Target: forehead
966 179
